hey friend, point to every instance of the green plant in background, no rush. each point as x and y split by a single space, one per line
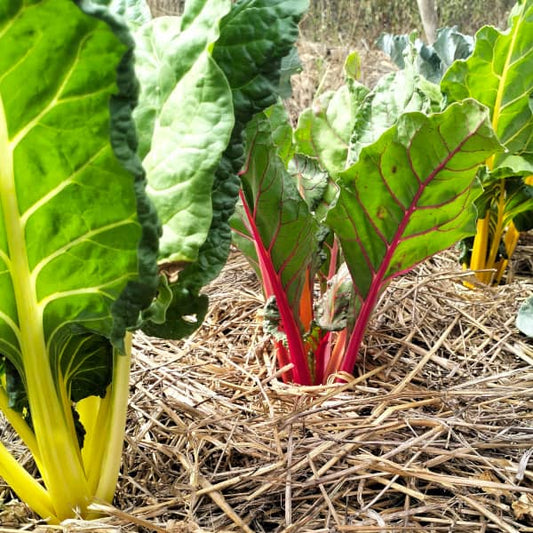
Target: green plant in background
78 234
374 182
431 61
499 75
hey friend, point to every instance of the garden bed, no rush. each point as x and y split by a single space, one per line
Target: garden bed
433 433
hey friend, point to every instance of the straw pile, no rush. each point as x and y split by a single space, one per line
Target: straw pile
434 432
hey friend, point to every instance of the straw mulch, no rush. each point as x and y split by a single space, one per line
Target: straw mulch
434 433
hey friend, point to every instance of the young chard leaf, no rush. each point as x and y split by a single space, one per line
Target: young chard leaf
276 219
409 196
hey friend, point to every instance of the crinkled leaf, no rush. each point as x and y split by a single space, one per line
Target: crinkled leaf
135 13
314 184
185 118
324 131
410 194
166 49
335 307
254 38
191 133
394 94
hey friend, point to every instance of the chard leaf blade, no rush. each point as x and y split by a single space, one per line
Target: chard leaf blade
280 215
255 37
410 194
78 236
499 75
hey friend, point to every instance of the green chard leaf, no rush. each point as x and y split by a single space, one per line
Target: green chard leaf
399 203
275 211
255 37
78 236
204 75
499 75
134 13
185 118
431 61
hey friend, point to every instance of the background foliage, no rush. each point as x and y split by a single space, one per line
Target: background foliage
347 22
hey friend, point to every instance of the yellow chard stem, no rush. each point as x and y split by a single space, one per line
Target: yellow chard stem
499 228
510 240
20 426
26 487
113 433
479 251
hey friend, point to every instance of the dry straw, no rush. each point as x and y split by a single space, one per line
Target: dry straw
434 432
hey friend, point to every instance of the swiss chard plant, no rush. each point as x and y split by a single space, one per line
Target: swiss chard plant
78 243
79 232
496 73
368 185
499 75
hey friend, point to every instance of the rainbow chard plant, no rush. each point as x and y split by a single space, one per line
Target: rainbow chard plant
499 75
364 192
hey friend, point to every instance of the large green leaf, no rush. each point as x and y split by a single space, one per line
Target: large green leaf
166 50
185 118
254 39
499 75
78 237
409 195
204 75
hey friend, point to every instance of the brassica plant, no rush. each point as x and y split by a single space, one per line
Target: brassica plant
80 264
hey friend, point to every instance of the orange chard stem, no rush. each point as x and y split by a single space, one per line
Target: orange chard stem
306 303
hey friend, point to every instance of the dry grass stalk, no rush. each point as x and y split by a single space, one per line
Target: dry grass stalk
433 433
